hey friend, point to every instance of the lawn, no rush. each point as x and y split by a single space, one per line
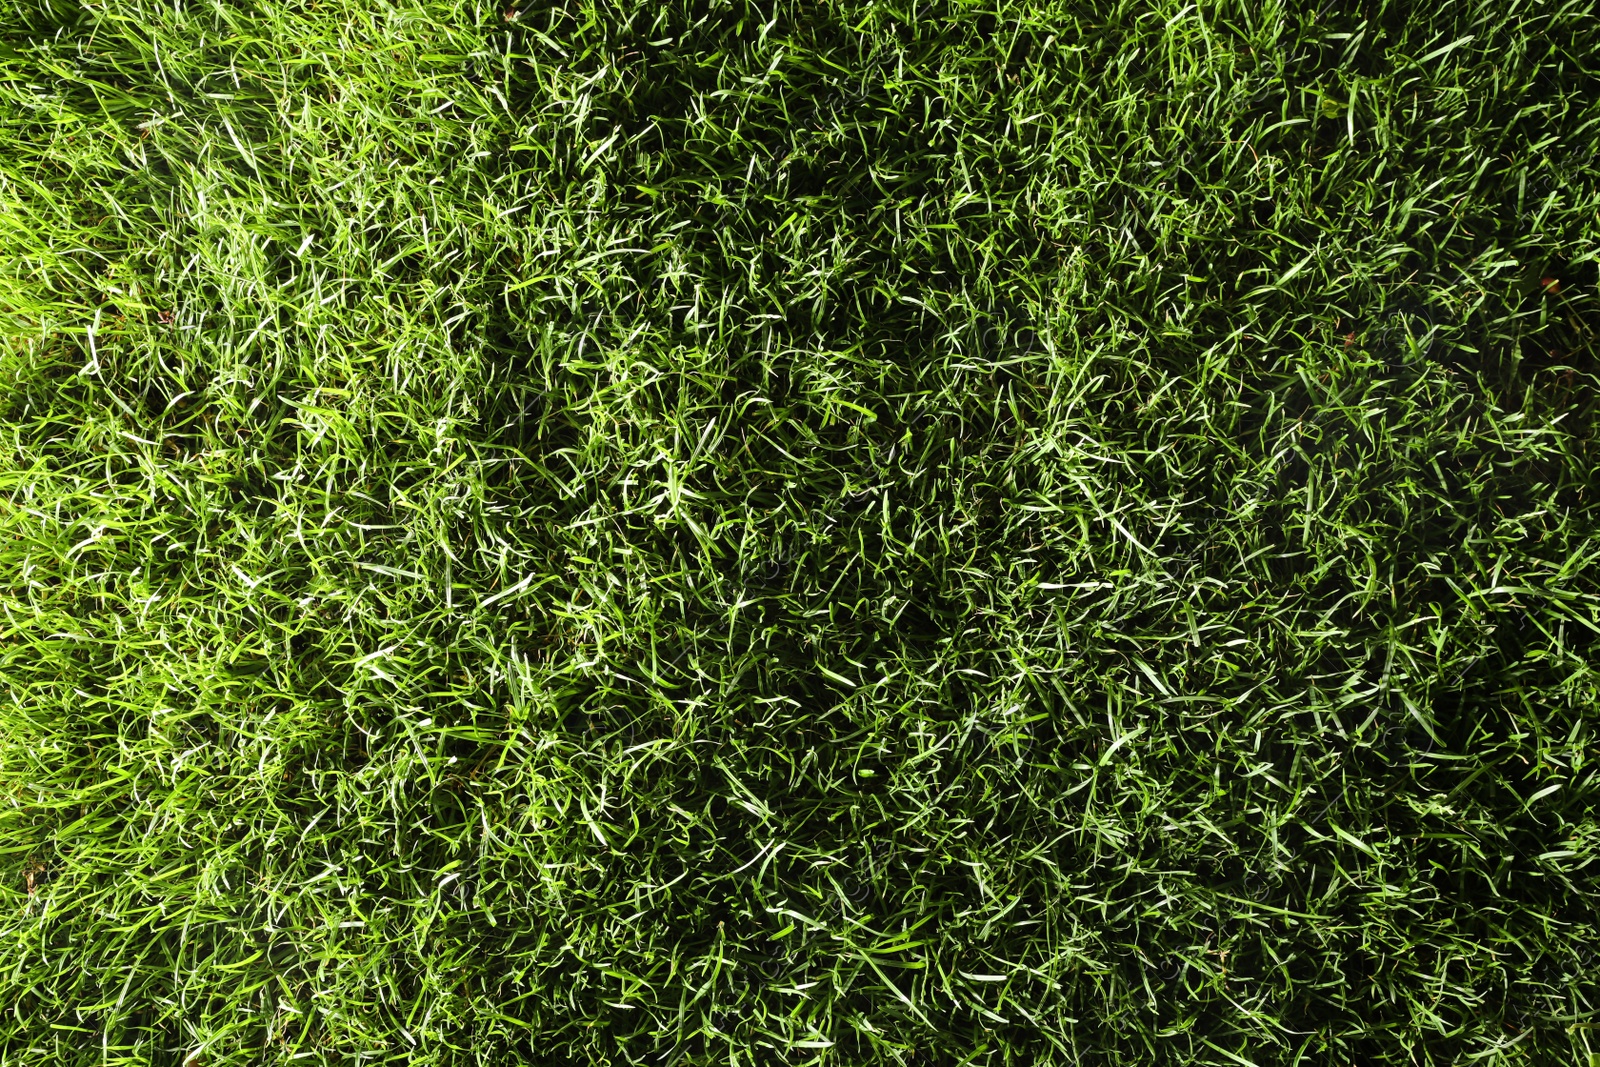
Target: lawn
777 532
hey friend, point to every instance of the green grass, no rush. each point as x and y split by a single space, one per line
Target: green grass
842 533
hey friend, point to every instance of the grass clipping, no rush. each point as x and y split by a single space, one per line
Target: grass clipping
798 533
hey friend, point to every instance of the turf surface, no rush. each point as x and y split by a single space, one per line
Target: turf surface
836 532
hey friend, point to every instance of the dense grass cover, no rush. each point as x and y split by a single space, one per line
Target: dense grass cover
716 532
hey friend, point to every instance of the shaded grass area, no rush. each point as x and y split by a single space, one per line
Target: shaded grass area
830 533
